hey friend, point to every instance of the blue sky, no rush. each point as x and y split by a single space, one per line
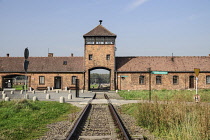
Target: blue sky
143 27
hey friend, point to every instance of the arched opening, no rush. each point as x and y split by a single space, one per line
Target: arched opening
16 82
99 79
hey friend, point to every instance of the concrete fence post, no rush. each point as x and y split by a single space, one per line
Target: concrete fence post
69 96
26 96
57 91
4 96
35 98
70 91
7 99
116 91
21 92
48 88
33 91
66 88
12 92
48 96
30 88
62 99
3 92
45 91
52 88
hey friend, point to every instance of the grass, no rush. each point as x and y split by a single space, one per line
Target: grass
24 119
19 87
166 95
175 121
94 86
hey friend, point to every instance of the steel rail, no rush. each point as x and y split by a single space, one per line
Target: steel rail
118 120
82 115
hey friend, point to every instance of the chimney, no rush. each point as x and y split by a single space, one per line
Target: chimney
7 54
72 55
50 54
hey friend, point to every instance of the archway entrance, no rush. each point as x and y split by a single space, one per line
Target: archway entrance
16 82
57 82
99 79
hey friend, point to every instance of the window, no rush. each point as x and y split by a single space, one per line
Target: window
207 79
158 80
175 80
73 80
90 57
41 80
109 40
108 57
89 40
99 40
64 62
141 80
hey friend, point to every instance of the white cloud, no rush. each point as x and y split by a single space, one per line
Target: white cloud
135 4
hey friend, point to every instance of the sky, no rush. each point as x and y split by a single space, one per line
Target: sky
143 27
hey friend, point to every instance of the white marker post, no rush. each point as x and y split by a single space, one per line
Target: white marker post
196 97
196 82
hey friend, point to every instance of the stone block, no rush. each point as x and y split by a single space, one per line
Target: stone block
69 96
48 96
4 96
35 98
7 99
26 96
62 99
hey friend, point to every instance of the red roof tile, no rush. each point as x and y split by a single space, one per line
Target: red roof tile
163 63
42 64
99 31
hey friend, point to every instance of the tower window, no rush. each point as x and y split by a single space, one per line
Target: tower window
90 40
90 57
158 80
109 40
141 80
108 57
99 40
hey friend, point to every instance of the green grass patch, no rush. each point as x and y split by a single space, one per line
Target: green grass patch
25 119
166 95
174 121
94 86
19 87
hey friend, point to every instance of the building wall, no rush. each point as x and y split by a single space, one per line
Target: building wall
130 81
99 53
66 79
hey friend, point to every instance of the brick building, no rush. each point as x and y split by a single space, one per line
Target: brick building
126 73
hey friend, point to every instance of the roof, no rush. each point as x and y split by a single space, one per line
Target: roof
42 64
163 63
99 31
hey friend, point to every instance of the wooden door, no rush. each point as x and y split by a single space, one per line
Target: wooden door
191 82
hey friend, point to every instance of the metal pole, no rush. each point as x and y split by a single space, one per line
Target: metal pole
196 85
149 69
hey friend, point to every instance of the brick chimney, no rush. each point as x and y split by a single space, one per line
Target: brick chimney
50 54
7 54
72 55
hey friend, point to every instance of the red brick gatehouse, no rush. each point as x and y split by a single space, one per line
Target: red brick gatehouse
126 73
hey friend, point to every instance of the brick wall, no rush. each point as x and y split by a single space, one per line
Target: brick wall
131 81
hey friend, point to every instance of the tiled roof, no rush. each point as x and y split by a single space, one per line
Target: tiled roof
163 63
42 64
99 31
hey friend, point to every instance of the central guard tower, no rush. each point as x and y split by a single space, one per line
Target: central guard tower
99 53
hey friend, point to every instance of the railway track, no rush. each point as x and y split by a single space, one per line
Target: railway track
99 121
